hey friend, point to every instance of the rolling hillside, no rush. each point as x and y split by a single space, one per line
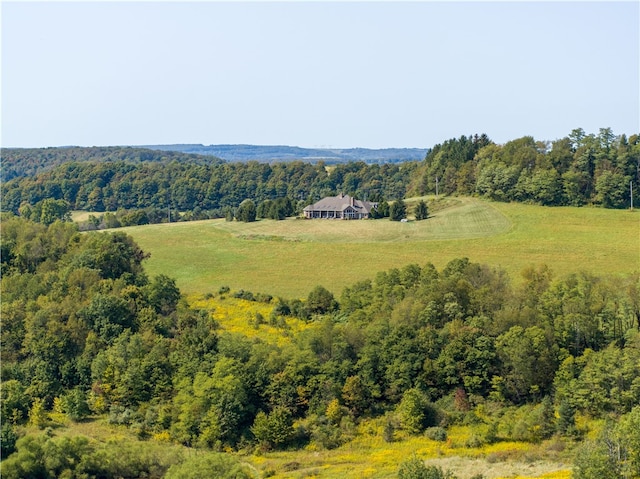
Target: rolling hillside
290 257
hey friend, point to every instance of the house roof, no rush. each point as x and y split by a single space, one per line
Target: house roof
341 203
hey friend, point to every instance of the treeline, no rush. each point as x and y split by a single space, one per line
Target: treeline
201 189
576 170
19 162
85 331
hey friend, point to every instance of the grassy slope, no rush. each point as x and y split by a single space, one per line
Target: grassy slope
289 258
367 456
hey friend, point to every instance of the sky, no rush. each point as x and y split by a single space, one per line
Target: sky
315 73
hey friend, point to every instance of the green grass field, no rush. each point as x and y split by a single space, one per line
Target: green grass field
288 258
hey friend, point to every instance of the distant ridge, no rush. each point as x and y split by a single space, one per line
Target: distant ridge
18 162
292 153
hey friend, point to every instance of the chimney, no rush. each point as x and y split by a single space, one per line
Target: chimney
352 201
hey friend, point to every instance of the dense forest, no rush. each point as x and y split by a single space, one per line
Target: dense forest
580 169
20 162
85 331
576 170
202 190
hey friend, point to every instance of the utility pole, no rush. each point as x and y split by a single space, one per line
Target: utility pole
631 193
436 186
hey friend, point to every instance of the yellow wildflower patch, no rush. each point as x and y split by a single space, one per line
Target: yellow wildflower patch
251 319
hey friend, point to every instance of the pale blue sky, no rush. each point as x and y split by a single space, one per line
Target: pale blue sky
339 74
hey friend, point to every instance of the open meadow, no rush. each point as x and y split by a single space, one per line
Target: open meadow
288 258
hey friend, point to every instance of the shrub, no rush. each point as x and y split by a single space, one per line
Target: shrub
263 298
327 435
474 441
218 465
121 415
38 416
416 412
14 401
274 429
388 431
415 468
436 434
246 295
74 404
291 466
8 438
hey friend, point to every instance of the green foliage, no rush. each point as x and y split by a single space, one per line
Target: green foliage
38 416
211 409
276 209
629 433
211 465
15 402
163 294
532 423
416 412
134 369
603 381
383 210
415 468
421 211
82 329
398 210
328 435
74 404
611 189
113 255
78 457
596 461
436 433
273 430
47 211
108 315
320 301
246 211
529 362
8 439
134 218
19 162
595 168
202 190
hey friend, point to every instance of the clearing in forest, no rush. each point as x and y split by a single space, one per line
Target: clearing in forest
288 258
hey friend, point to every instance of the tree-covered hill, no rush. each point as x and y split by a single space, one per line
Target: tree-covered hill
575 170
579 169
108 186
20 162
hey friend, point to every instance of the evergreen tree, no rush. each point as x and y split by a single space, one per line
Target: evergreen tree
398 210
421 211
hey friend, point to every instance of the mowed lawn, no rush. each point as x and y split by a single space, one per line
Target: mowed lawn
288 258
